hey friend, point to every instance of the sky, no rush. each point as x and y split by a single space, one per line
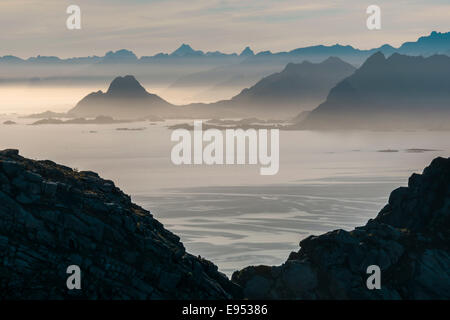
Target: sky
38 27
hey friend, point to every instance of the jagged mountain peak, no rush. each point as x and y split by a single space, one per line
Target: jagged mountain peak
186 50
247 52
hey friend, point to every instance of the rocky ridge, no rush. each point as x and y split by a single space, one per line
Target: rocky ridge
409 240
52 216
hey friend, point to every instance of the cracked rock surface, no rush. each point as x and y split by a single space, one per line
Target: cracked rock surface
52 216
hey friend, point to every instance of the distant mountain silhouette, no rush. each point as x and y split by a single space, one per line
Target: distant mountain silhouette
10 59
284 94
299 86
399 92
120 56
127 87
247 52
125 98
185 50
44 59
435 43
228 78
202 76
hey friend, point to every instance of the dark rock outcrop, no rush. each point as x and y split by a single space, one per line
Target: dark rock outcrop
52 216
409 240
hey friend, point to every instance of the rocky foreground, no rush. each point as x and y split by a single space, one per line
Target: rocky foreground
52 217
409 240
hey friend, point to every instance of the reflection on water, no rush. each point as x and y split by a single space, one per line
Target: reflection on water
241 226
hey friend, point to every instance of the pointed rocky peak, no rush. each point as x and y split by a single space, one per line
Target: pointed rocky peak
126 86
247 52
186 50
374 61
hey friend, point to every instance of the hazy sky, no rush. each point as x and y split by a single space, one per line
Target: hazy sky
32 27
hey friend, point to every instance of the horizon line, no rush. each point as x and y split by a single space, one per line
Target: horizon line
229 54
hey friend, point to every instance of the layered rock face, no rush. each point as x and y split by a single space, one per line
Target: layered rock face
409 240
52 217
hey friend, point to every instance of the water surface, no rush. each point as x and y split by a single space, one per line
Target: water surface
230 214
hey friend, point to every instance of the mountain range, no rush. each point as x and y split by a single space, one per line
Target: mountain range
224 81
127 99
398 92
281 95
187 75
435 42
298 87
